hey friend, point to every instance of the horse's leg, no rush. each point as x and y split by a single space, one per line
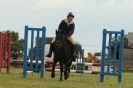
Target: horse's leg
53 69
61 71
66 72
69 64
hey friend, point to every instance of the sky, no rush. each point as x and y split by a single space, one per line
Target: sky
91 17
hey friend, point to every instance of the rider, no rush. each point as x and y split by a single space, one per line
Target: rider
66 27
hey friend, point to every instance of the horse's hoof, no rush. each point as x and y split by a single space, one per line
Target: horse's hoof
61 79
52 75
66 76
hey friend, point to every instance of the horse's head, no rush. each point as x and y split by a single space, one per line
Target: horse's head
59 39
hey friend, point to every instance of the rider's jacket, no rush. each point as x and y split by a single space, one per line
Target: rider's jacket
66 28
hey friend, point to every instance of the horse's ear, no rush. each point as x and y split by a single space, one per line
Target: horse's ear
56 31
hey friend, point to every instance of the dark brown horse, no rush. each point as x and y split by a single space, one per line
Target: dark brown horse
63 53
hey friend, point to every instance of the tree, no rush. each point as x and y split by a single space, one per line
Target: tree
17 44
118 45
118 41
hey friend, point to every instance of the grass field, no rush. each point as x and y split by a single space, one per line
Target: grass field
14 80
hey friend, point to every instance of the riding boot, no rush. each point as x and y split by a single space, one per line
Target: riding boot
75 52
50 51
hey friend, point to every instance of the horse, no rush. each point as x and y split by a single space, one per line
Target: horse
63 53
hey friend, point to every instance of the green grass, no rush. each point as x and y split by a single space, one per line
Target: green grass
14 80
